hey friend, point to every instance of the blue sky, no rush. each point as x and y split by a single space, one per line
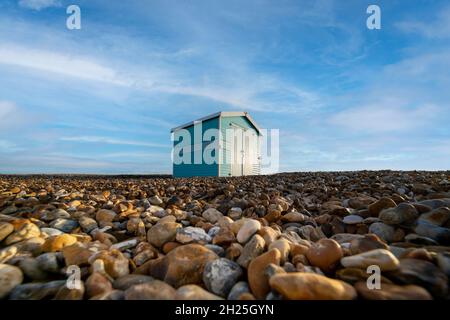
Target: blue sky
103 99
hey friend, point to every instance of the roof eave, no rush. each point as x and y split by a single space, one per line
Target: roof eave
220 114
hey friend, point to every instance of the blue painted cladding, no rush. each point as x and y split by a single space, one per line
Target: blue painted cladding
197 170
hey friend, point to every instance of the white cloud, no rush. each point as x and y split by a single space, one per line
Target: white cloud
11 116
251 91
142 156
402 97
61 163
421 68
106 140
379 118
193 68
6 108
58 63
7 146
438 28
39 4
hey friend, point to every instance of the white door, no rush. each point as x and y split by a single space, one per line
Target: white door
244 151
250 152
237 153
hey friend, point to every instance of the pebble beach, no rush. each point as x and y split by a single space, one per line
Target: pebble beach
291 236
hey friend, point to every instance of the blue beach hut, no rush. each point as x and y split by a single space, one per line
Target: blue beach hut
222 144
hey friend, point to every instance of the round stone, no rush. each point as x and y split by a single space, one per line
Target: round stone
392 292
353 219
212 215
55 214
26 231
56 243
65 225
382 258
111 295
87 224
194 292
238 289
182 265
49 262
105 217
97 284
30 267
353 275
36 290
64 293
129 280
257 279
76 254
439 234
283 246
439 216
251 250
115 262
153 290
404 213
155 200
162 233
235 213
10 277
224 237
293 217
220 276
382 230
248 229
384 203
421 273
310 286
366 243
51 232
192 234
325 254
443 262
5 230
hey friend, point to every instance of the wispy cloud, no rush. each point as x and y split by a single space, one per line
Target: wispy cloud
439 28
251 91
96 139
8 147
422 67
11 116
6 109
39 4
384 118
64 64
64 163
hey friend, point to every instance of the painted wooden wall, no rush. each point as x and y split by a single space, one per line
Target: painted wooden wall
198 170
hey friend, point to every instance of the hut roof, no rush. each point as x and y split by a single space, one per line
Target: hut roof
220 114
